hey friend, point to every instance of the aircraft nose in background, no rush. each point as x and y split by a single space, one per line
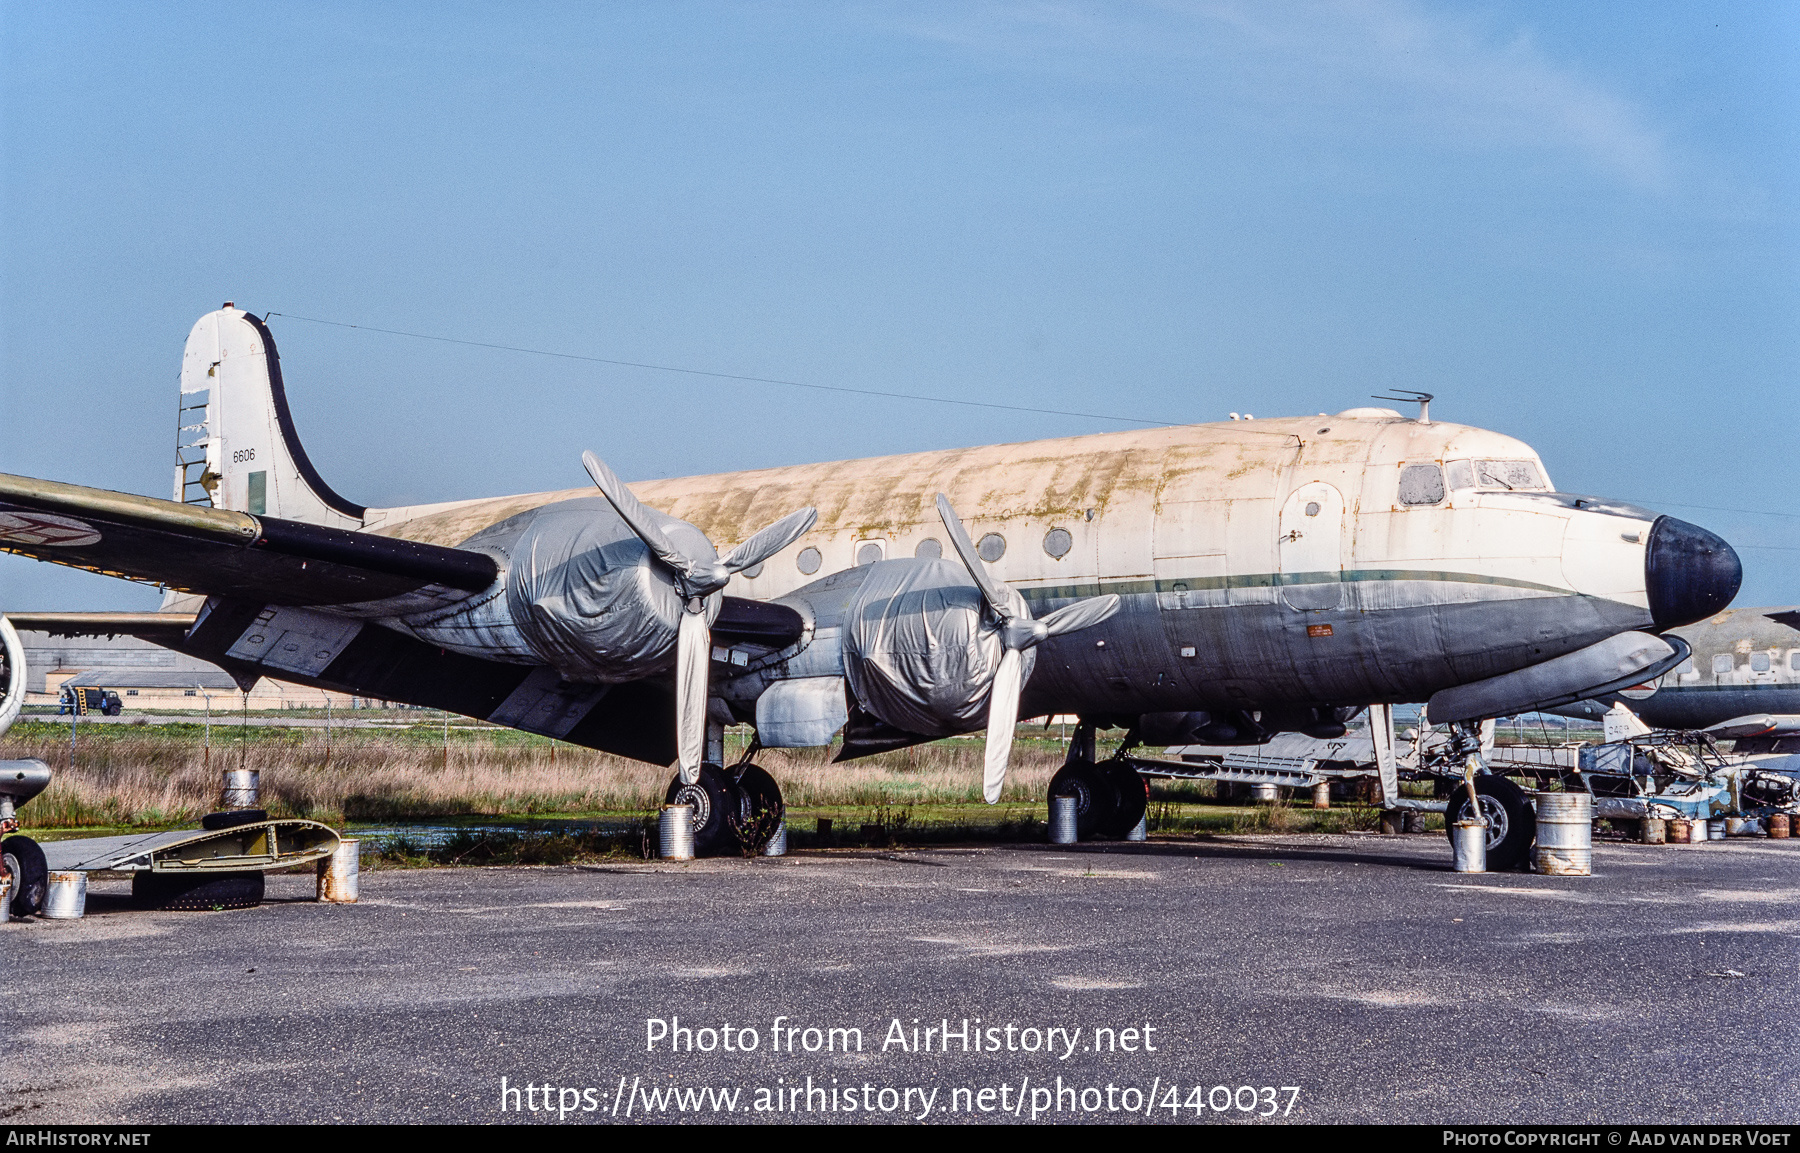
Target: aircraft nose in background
1689 573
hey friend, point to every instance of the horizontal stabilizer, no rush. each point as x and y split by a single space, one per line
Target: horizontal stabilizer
276 844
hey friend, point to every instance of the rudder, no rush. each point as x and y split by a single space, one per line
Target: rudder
237 447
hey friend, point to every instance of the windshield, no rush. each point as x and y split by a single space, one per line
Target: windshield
1509 475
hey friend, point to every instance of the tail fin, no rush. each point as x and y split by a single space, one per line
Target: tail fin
237 448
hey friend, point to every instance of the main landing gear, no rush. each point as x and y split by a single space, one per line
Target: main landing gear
1110 796
736 809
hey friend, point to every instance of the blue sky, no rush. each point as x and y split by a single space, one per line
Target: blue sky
1574 223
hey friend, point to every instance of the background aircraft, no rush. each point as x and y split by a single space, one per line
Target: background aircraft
1742 680
1207 582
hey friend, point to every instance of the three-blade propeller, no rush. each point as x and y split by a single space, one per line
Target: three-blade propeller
1018 633
699 573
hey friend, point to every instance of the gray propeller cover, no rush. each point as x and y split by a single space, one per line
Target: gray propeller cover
920 648
587 594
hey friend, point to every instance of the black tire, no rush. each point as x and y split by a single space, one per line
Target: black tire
716 801
1512 823
30 876
196 892
1133 793
212 822
762 798
1096 796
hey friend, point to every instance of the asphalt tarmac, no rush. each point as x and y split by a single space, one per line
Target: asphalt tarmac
1318 978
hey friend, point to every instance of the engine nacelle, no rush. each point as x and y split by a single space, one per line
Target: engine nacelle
19 780
920 649
577 591
12 675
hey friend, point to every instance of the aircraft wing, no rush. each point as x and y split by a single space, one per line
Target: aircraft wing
220 553
1757 725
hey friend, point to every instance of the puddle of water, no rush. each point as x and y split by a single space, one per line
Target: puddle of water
434 835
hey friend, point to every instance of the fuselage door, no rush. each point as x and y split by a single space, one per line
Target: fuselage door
1310 547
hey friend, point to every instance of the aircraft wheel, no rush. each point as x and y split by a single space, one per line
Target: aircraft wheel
716 802
30 875
1096 796
1133 792
196 892
1512 823
762 807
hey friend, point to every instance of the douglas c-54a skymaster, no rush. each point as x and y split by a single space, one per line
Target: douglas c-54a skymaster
1205 583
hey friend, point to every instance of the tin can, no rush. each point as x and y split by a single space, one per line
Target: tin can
1468 846
675 833
1062 821
66 899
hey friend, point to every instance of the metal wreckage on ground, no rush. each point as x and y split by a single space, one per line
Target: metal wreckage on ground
1222 582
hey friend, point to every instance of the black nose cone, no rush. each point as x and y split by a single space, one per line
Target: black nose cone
1689 573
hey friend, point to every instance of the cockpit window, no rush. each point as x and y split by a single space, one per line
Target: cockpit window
1506 475
1421 484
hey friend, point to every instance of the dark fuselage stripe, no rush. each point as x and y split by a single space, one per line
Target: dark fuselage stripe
1272 580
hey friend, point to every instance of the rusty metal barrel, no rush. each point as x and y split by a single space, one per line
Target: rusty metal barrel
1653 831
1322 795
338 873
675 833
5 899
1681 831
1565 834
66 898
1062 821
1265 794
242 787
1715 829
1779 826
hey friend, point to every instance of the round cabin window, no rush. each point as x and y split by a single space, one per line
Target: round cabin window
929 549
809 560
991 548
1312 508
1058 542
869 553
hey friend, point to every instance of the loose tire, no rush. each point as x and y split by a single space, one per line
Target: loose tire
30 875
1096 796
716 801
1512 823
196 892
